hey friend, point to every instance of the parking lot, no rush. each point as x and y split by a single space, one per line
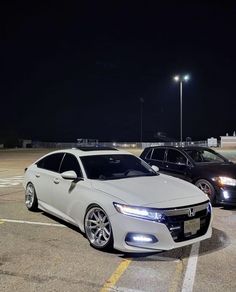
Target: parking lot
41 253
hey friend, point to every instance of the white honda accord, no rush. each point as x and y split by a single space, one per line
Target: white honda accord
118 200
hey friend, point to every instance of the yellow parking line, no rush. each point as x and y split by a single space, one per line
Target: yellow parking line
176 277
1 222
111 282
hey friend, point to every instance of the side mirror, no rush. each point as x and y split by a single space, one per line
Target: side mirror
69 175
155 168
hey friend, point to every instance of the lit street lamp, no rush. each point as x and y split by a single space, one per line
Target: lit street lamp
181 79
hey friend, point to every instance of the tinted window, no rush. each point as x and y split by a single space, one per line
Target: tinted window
51 162
204 156
158 154
70 162
148 156
175 156
115 166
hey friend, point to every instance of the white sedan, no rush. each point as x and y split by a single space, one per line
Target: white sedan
118 200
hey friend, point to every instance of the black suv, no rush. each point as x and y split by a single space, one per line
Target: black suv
207 169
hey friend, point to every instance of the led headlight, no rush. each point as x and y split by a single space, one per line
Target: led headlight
140 212
226 181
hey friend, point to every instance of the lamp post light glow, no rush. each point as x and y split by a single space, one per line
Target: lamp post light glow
181 79
176 78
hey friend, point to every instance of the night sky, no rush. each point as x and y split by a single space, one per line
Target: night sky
73 70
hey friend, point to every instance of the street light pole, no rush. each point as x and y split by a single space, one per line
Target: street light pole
181 110
141 119
181 79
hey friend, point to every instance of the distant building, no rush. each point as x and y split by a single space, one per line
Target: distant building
228 141
86 141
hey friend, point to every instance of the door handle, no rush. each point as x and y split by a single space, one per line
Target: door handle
37 175
56 181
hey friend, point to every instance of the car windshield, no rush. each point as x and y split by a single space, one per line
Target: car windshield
204 155
117 166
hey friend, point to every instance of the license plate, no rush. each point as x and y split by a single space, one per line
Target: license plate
192 226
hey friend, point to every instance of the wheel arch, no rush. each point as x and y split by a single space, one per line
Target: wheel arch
212 184
110 244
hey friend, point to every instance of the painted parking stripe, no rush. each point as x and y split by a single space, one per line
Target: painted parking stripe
111 282
31 222
175 278
191 269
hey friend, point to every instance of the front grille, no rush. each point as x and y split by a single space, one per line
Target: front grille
174 220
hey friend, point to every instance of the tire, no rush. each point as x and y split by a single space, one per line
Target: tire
98 229
207 188
31 200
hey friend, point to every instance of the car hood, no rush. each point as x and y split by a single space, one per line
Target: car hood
220 169
160 191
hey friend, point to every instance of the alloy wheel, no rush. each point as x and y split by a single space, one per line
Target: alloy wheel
207 188
98 227
29 196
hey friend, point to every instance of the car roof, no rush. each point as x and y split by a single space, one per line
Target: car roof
90 151
193 147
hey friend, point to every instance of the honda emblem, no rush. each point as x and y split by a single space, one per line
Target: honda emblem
191 212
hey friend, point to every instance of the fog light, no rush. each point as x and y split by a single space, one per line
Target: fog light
142 238
136 238
225 194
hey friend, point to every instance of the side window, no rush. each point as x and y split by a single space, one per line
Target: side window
175 156
158 154
70 162
148 155
51 162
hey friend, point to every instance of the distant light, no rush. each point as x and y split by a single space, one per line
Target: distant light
176 78
114 143
186 77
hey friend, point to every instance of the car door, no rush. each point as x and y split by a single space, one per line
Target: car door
45 171
67 193
176 164
157 157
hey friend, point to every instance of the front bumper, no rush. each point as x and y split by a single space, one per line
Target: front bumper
167 236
